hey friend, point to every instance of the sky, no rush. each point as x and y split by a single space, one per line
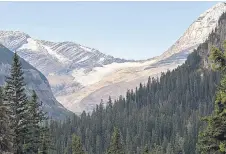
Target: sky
130 30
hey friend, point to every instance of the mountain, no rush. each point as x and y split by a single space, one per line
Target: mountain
34 80
198 31
163 115
81 76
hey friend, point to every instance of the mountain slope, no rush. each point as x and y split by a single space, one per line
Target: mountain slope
81 76
163 114
198 31
34 81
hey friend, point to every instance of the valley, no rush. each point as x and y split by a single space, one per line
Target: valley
81 76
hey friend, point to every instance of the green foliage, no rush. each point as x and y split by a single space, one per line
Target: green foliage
77 145
146 150
5 130
213 138
20 119
165 110
16 99
45 142
116 146
157 149
36 117
217 57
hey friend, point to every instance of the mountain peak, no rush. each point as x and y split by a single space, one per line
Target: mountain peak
197 32
13 39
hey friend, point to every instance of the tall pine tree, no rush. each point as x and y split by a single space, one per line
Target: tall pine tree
116 146
146 150
36 117
76 145
5 131
46 140
44 144
16 98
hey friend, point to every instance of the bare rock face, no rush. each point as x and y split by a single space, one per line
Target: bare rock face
81 76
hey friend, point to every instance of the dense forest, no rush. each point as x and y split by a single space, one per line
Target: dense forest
162 116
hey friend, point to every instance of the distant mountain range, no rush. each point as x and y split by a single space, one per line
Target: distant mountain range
81 76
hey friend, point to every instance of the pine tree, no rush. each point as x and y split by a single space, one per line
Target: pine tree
16 98
45 141
116 146
157 150
5 131
146 150
213 138
169 149
44 147
76 145
36 117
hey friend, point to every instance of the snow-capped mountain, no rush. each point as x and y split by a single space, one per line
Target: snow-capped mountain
81 76
198 31
54 56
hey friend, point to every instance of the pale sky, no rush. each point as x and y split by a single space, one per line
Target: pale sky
130 30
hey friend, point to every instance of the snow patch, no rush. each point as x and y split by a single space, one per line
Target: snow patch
86 48
53 53
101 59
31 44
98 73
83 59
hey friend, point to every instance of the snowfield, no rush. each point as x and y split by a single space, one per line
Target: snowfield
98 73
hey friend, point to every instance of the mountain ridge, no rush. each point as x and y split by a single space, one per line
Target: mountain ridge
81 76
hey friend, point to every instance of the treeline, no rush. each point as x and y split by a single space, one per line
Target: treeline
160 117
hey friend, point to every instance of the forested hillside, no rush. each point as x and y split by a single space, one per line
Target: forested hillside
163 114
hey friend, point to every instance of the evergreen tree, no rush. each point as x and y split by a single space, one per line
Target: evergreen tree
157 149
46 142
213 138
169 149
146 150
5 131
36 117
168 116
16 98
44 147
116 146
77 145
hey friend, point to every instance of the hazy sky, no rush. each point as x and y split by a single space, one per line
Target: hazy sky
131 30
